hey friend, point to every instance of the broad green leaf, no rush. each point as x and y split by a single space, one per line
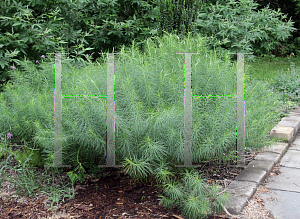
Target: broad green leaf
16 24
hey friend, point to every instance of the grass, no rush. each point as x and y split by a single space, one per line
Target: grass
282 74
267 68
149 126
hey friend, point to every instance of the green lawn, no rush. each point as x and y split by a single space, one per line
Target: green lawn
267 68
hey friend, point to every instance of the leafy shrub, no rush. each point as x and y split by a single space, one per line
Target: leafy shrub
25 35
36 28
237 26
287 84
41 27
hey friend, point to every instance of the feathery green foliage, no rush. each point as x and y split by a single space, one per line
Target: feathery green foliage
149 114
85 115
192 196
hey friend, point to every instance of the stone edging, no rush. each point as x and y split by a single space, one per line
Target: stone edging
244 186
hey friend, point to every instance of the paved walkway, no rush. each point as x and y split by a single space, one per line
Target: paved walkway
283 200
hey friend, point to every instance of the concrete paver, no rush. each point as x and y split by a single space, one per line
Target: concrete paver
287 180
291 159
289 123
239 191
279 148
282 204
282 132
261 164
252 175
270 156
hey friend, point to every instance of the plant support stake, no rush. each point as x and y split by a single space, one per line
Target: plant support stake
57 162
110 160
188 156
240 107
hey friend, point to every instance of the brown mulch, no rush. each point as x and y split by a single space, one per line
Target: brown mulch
114 196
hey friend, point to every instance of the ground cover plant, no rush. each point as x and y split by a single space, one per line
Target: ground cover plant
148 119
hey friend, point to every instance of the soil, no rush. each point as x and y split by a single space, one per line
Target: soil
113 196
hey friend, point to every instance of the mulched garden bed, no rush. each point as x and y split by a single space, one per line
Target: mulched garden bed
114 196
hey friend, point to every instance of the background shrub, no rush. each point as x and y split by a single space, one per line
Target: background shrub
33 28
239 26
